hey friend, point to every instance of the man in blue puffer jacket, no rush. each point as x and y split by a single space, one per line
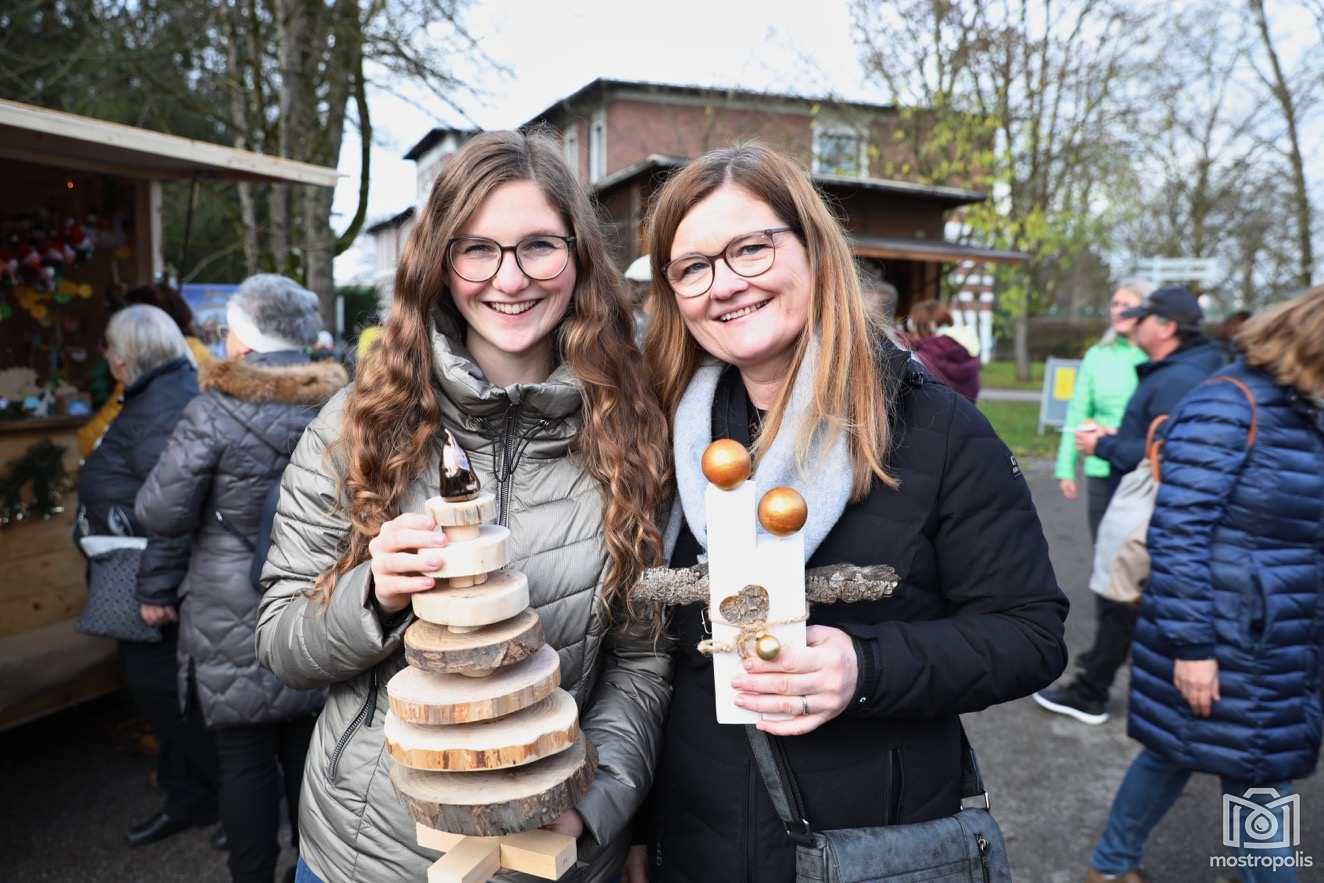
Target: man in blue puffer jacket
1226 661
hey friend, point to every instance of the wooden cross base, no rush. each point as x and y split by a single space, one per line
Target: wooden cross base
539 853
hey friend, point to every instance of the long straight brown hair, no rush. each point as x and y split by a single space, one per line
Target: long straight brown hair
394 412
848 378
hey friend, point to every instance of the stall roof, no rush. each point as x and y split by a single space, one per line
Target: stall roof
49 137
659 163
930 250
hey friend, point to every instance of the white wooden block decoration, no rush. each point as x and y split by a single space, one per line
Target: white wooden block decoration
732 565
771 566
781 565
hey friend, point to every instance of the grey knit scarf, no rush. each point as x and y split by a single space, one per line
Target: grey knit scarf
824 482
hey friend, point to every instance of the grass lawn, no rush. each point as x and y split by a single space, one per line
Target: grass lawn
1015 423
1002 375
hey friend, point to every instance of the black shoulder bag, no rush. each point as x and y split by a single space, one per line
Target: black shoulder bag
964 848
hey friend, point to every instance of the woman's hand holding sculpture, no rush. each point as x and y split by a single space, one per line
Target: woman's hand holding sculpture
405 547
815 683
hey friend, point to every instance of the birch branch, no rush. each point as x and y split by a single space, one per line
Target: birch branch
835 583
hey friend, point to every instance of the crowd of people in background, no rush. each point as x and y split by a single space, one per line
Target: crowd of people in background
253 682
1224 640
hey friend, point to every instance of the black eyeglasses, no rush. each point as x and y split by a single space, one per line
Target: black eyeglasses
540 257
748 255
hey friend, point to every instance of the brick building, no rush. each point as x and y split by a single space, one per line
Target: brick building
624 138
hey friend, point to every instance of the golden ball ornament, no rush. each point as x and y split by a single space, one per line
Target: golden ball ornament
767 647
782 511
726 463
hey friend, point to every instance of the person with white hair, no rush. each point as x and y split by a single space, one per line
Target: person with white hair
149 356
230 447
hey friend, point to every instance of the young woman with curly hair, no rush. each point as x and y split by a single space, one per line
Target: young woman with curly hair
509 331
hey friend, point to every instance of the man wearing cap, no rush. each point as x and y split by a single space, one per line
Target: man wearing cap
1180 357
1168 330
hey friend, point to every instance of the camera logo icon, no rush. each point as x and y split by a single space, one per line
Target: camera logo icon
1254 824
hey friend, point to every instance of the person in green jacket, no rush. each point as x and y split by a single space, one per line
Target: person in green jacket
1104 384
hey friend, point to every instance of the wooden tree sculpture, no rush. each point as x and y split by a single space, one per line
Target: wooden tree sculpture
486 746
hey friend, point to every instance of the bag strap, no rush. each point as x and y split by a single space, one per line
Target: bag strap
785 794
1250 400
779 784
1152 445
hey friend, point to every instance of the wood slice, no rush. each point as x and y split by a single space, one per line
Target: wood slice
466 512
433 647
503 595
527 735
483 554
487 804
424 697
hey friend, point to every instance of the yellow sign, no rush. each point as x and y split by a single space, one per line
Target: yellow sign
1064 381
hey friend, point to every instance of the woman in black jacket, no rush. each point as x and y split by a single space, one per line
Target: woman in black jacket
149 355
760 335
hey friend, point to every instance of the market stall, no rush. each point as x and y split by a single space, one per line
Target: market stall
81 214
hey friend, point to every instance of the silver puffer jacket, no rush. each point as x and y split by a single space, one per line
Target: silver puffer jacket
228 447
352 825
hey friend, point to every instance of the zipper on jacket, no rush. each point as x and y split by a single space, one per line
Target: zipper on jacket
981 843
505 470
512 448
365 714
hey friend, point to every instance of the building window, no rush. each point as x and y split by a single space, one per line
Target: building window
570 145
597 146
840 150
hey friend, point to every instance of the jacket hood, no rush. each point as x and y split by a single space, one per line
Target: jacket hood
140 385
554 405
283 381
964 335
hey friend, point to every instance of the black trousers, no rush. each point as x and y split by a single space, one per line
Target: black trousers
1115 623
186 769
258 763
1100 492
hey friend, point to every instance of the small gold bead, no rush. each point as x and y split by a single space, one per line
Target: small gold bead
767 647
782 511
726 463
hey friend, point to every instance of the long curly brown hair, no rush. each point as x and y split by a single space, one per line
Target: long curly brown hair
393 414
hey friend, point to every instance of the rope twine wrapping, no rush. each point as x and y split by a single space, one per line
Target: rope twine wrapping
749 633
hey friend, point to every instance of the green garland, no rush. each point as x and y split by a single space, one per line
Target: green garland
42 467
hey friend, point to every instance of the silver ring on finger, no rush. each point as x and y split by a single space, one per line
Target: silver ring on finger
804 706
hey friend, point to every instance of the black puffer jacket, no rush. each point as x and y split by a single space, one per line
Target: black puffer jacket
111 475
229 446
977 620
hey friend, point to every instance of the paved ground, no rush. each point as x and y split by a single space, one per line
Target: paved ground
1052 780
1011 395
72 782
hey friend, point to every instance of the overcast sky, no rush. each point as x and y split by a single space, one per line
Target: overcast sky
551 49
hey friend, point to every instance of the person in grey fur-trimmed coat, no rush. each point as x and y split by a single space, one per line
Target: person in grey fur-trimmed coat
231 443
